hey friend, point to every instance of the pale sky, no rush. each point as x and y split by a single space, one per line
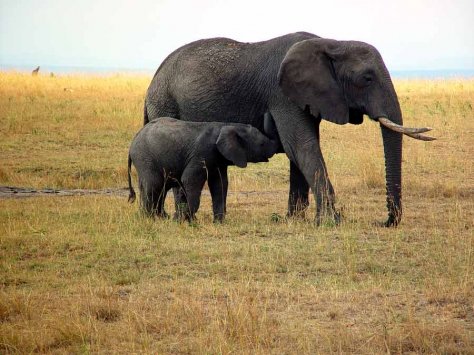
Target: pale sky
410 34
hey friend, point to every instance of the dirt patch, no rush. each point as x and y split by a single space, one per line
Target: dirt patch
23 192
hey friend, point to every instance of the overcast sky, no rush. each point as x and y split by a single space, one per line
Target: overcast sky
410 34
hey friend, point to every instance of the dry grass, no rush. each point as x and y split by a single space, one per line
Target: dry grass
90 275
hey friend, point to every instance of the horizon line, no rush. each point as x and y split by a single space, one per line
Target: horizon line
71 69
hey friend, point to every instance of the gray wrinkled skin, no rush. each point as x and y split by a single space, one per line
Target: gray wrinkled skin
168 153
299 79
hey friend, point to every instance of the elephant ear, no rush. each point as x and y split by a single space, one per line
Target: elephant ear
308 78
231 146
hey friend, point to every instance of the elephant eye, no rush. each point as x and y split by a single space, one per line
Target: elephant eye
364 80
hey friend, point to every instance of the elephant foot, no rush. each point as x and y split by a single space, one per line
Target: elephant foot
182 212
181 218
163 215
218 219
333 219
298 209
298 213
392 221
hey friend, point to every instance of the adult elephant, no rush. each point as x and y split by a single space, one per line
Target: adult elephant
299 79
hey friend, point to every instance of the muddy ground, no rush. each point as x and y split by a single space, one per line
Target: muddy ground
23 192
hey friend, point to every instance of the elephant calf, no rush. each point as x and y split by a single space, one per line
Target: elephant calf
170 153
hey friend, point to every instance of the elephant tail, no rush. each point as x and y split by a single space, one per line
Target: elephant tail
145 115
132 195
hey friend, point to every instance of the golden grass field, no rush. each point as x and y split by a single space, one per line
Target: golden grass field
89 274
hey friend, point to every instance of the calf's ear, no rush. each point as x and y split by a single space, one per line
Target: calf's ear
231 146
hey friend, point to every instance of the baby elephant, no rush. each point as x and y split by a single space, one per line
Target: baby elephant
170 153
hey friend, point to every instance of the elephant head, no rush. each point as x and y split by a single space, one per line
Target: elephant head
243 143
340 81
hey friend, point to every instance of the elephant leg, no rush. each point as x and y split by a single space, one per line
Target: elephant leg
161 204
298 200
312 165
146 204
218 185
193 180
299 134
152 194
180 203
324 196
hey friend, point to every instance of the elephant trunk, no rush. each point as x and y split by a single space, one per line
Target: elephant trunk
392 133
392 144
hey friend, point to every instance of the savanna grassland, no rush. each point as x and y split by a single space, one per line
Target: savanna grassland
89 274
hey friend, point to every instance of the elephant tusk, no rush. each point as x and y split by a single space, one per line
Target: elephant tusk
420 137
406 130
